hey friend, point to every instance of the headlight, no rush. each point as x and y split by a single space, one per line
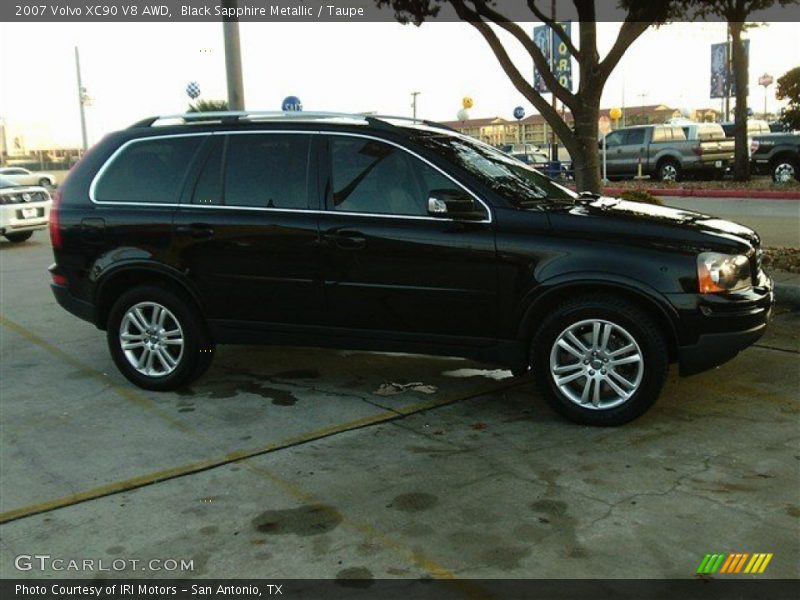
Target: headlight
722 272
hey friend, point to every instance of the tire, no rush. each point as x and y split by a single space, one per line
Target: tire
191 359
44 182
603 405
16 238
669 170
784 170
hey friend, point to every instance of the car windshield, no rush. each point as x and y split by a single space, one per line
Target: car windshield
519 183
7 183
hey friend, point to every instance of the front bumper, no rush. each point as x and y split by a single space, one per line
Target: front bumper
717 328
18 218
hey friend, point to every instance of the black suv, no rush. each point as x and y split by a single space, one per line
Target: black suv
373 233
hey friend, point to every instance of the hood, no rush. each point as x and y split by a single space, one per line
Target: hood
686 222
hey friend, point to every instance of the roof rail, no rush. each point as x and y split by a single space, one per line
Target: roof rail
372 119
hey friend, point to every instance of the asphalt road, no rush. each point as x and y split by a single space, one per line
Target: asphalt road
286 463
777 221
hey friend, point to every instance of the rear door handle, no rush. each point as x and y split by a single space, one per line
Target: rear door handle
196 230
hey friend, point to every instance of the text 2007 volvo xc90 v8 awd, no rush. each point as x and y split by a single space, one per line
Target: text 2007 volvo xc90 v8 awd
370 233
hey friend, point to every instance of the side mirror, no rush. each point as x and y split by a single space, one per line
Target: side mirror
454 204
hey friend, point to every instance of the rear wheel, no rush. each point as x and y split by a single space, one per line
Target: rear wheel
16 238
157 339
44 182
669 170
599 360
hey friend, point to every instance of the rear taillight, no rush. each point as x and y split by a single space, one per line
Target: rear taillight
55 229
753 146
698 149
59 279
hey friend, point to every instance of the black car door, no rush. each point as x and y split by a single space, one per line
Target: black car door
247 229
389 267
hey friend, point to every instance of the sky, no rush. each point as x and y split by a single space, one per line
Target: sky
135 70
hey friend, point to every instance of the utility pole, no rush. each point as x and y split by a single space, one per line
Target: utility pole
414 103
81 99
553 139
643 95
623 103
233 60
728 74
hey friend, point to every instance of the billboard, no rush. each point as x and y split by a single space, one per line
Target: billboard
556 54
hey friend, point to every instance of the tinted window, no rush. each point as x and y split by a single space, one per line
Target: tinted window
614 138
148 171
267 170
634 136
373 177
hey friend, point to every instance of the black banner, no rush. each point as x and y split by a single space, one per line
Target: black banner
351 11
417 589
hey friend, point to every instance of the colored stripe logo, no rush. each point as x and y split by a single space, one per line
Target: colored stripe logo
734 563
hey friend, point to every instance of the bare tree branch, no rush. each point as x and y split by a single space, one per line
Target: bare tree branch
526 89
539 59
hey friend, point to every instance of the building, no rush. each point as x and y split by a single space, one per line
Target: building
535 130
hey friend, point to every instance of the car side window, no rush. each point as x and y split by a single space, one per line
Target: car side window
369 176
268 170
208 189
614 138
634 136
148 171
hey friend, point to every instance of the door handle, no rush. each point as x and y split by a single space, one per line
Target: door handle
196 230
346 240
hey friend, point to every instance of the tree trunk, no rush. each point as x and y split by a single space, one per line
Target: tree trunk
741 167
585 154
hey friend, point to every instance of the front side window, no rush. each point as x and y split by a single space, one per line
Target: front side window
369 176
521 184
151 171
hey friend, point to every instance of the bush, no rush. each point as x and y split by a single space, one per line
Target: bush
641 196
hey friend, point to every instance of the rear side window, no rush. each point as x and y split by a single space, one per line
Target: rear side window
150 170
267 170
634 136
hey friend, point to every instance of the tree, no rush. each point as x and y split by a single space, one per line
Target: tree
208 106
736 13
789 89
584 105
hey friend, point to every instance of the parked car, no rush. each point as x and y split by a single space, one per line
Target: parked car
532 158
754 127
26 177
23 210
777 155
665 153
382 234
520 148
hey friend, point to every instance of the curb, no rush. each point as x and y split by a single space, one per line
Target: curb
702 193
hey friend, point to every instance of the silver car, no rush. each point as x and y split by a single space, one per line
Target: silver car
25 177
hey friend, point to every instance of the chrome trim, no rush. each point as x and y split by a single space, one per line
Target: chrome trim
116 153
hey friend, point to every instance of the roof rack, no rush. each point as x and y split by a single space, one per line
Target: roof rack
233 117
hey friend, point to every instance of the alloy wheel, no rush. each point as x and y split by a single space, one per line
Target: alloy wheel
596 364
151 339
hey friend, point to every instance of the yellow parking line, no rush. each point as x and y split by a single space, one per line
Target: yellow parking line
124 392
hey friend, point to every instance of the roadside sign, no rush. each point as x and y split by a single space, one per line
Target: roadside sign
604 124
766 80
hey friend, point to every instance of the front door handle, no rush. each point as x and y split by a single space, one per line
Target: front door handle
346 240
196 230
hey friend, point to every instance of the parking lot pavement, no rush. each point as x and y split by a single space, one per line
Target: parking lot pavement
285 463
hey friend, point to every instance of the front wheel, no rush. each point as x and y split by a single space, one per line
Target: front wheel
157 339
44 182
784 171
16 238
599 360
